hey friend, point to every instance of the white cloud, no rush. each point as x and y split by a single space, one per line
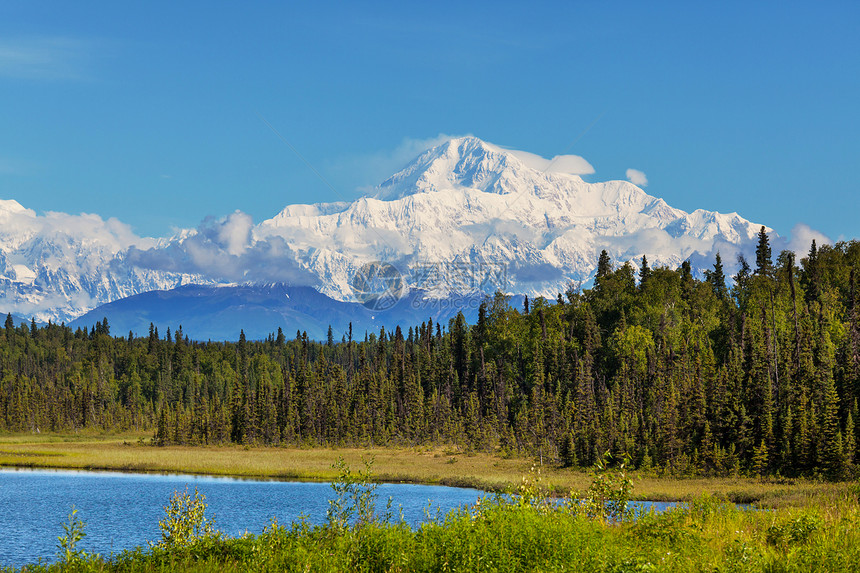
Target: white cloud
637 177
411 148
702 253
801 239
573 164
235 232
674 250
570 164
224 249
19 224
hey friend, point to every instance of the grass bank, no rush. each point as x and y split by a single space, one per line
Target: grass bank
706 535
438 465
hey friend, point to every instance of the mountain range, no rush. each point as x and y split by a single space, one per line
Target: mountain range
463 218
221 312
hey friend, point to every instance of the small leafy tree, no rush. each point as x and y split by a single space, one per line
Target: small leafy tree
609 493
185 521
74 528
531 492
355 496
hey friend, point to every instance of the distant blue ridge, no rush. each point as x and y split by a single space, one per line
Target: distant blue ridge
219 313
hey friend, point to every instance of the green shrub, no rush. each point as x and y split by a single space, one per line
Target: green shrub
68 543
185 521
609 494
794 531
355 497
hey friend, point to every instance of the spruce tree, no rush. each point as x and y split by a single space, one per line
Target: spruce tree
849 440
717 279
604 265
763 262
832 454
644 272
812 274
740 290
760 460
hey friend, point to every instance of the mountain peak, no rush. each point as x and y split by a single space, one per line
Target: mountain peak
455 163
470 162
12 206
464 216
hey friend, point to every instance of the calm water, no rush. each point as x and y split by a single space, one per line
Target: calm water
122 510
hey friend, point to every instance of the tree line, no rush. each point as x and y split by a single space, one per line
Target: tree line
760 374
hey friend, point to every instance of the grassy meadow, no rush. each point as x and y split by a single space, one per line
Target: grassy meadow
438 465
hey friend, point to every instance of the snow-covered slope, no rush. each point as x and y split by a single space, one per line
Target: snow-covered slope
464 216
470 207
59 266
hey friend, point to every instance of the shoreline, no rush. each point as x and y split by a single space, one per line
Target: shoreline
237 477
418 465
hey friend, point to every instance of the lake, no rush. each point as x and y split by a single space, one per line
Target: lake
122 510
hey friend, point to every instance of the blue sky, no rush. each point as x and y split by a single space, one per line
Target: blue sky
152 113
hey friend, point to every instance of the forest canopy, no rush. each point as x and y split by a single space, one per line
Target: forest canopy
758 374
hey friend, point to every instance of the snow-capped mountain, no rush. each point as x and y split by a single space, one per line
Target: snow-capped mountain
464 216
472 214
59 266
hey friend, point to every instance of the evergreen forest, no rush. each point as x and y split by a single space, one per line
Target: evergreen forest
757 374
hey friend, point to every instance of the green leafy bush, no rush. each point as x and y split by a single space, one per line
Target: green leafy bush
793 531
185 520
609 494
74 529
355 497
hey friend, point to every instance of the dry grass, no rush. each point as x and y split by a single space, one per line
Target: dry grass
420 465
